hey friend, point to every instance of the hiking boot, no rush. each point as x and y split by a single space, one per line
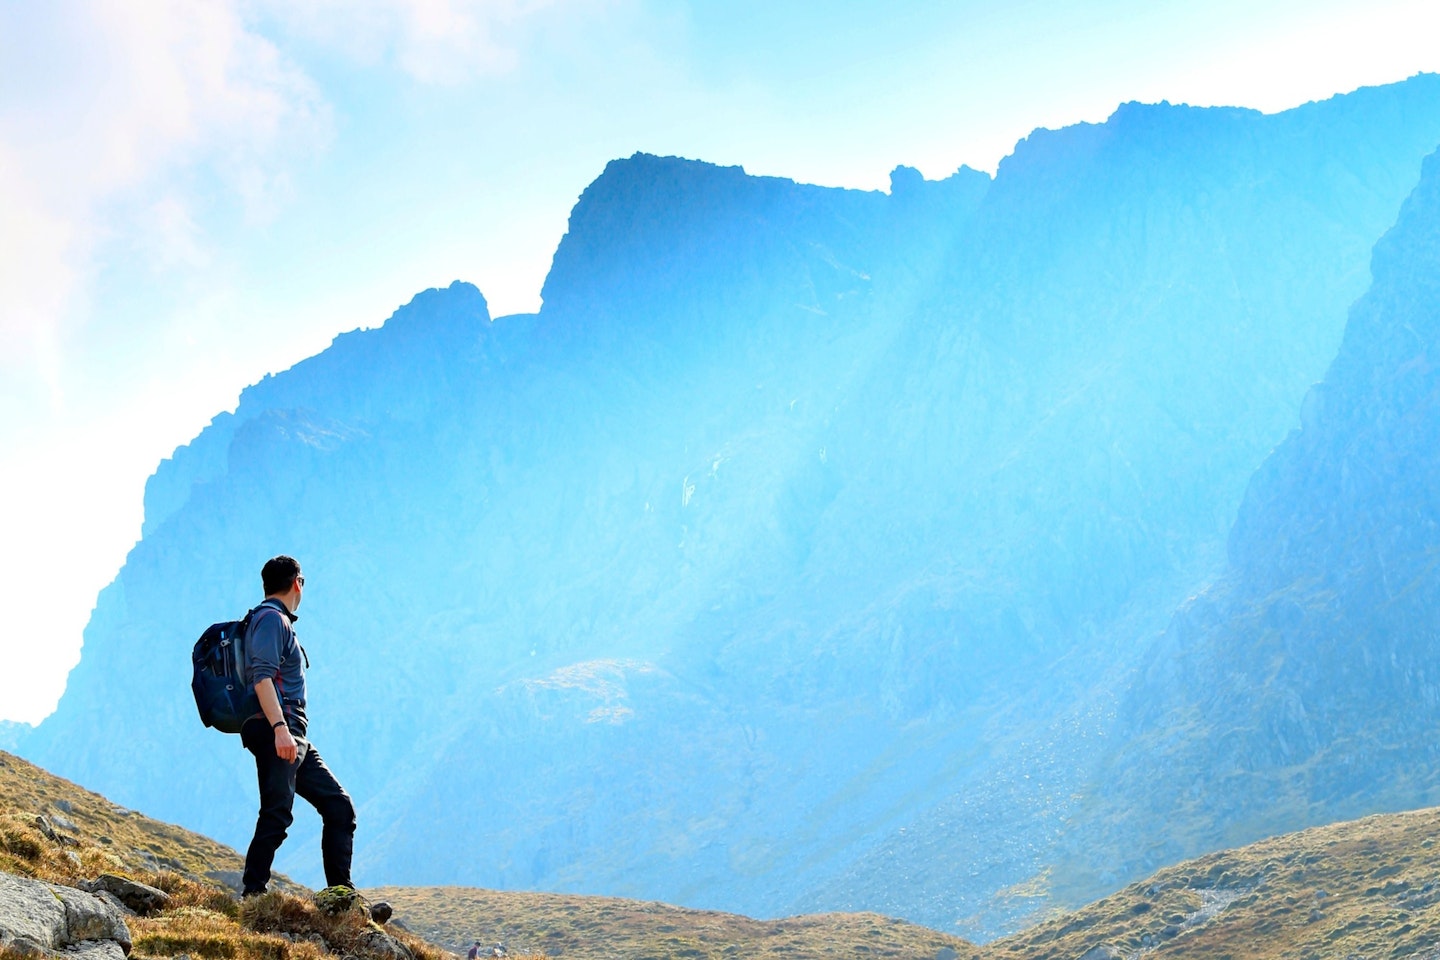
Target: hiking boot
380 912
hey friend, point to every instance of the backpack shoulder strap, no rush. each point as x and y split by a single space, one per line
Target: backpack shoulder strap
250 619
254 615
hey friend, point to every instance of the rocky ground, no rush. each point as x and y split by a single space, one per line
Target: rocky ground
83 878
1359 890
585 927
80 877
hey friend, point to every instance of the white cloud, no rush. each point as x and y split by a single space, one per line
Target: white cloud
104 106
38 268
124 128
434 41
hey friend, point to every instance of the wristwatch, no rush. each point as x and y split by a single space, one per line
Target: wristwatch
277 724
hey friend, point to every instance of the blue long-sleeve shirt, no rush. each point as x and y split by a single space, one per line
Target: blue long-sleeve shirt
272 651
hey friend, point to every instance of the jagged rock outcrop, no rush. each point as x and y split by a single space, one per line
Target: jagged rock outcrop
139 898
43 918
1303 686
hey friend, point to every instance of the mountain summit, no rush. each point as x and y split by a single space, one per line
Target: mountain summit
780 556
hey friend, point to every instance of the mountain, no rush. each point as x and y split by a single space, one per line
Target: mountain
773 565
1302 687
11 733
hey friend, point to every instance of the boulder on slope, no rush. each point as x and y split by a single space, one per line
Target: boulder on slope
45 917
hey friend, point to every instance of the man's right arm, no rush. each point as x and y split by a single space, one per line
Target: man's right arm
285 747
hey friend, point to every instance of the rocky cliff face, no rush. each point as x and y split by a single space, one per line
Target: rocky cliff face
1303 687
753 555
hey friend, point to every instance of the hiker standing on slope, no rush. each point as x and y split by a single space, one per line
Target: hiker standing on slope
286 762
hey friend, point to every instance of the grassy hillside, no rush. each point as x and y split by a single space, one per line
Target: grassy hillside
91 836
54 831
127 840
585 927
1366 888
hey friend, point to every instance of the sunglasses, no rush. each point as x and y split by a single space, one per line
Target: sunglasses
300 580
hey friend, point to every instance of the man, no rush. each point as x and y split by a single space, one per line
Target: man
286 762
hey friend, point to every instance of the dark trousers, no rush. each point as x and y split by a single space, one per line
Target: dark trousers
279 783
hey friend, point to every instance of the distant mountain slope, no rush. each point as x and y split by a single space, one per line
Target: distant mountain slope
563 925
1367 888
780 546
1304 686
1363 888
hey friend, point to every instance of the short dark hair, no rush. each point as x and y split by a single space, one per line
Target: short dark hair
279 574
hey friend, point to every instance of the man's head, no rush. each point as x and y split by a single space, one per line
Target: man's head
283 581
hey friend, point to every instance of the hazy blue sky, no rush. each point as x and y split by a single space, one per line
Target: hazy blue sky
197 192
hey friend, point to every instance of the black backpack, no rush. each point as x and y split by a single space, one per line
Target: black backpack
222 696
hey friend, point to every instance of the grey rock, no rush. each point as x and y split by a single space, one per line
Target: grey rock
64 806
29 912
24 947
94 950
381 911
381 944
89 918
139 897
114 901
61 823
45 826
49 917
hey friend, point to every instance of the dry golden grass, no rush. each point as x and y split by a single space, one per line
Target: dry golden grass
123 839
203 919
585 927
1367 888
